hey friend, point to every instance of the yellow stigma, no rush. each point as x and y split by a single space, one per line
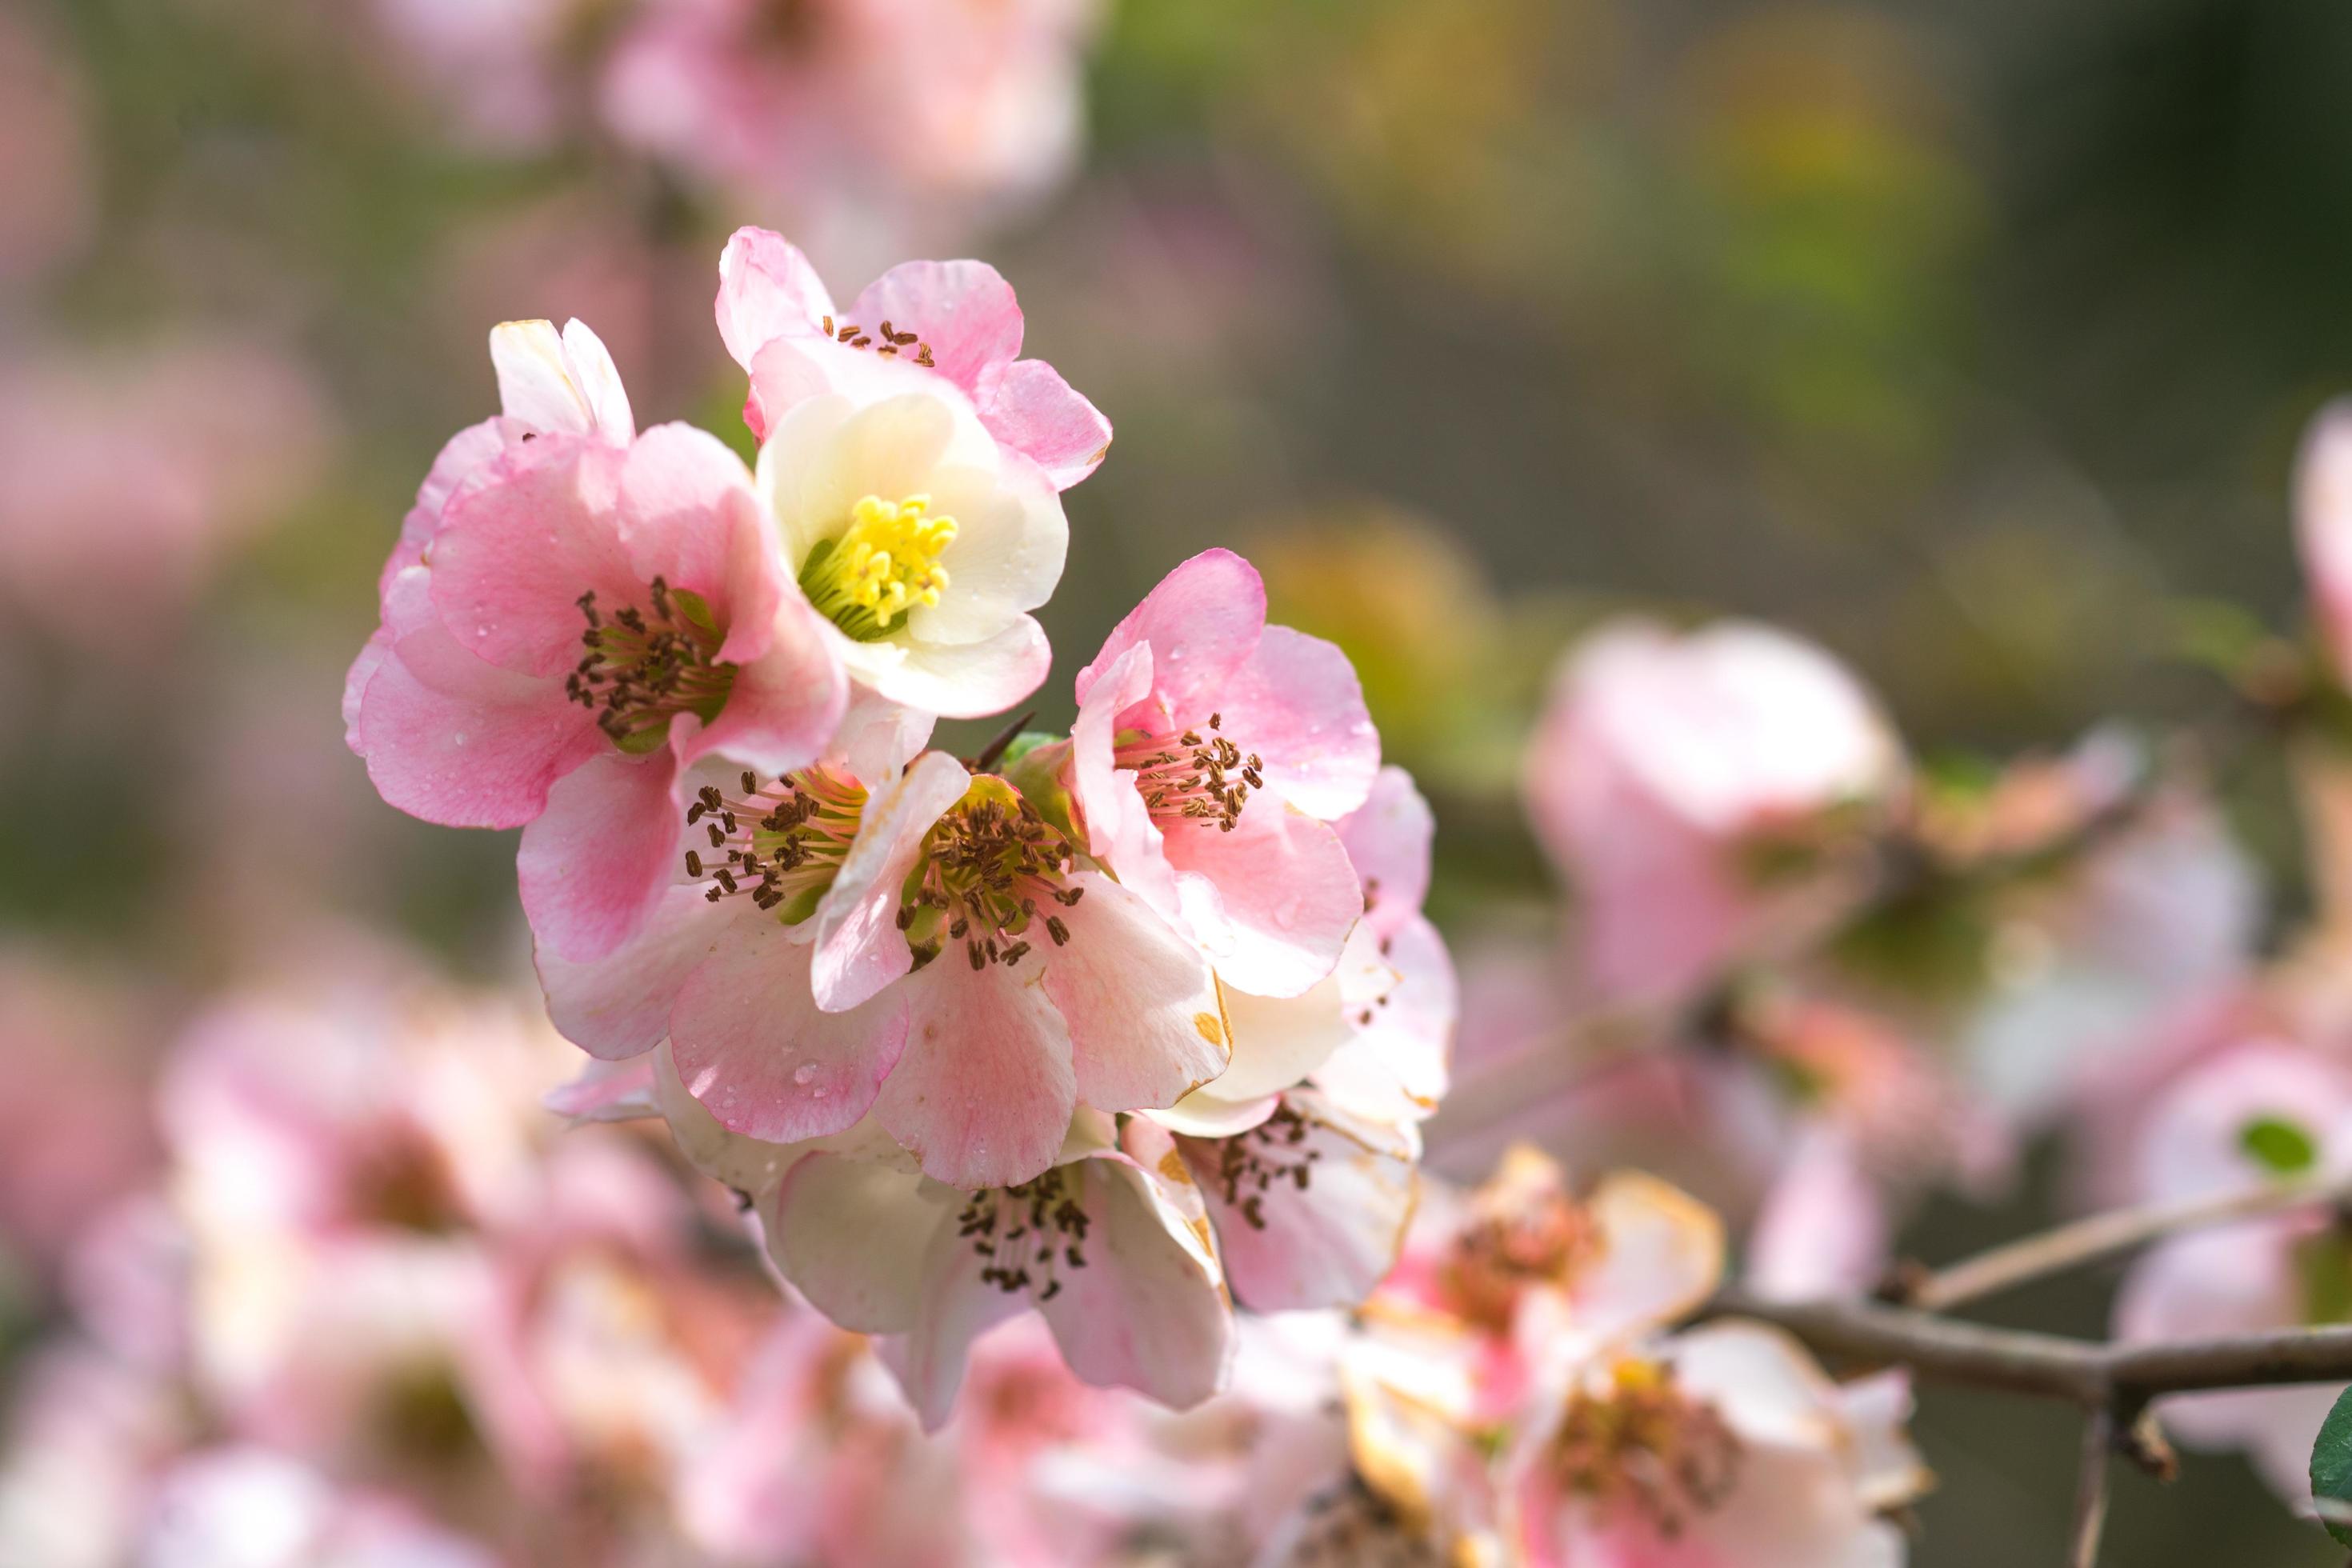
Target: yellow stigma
886 564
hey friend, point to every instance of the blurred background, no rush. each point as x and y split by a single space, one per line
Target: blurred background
1972 341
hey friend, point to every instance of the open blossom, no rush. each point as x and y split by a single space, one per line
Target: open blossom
583 618
1211 756
912 462
932 952
870 120
1108 1243
2261 1109
1695 788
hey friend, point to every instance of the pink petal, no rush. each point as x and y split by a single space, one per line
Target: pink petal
468 452
956 1306
782 707
617 1006
520 544
1662 1256
1298 705
984 1092
1328 1244
2323 524
1823 1229
607 1092
965 680
1272 902
1146 1026
860 947
1388 839
593 867
1120 830
767 289
1147 1311
752 1046
965 310
1397 1066
454 739
856 1237
1033 410
1203 622
877 738
688 515
562 384
785 373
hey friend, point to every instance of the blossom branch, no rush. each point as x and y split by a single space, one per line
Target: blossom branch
2091 1491
2119 1379
2101 1237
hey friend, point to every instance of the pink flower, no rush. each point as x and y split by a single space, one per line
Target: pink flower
2260 1110
227 436
495 65
1692 788
263 1510
2322 523
475 706
1722 1446
873 120
957 321
1106 1243
952 970
1211 756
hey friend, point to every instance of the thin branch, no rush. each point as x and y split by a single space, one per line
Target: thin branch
2091 1490
2118 1379
2103 1236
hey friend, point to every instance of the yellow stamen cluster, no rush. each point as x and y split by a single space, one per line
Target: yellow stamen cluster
887 563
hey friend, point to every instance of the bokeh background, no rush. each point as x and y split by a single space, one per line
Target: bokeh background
1973 342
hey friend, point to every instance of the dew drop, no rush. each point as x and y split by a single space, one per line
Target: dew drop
803 1072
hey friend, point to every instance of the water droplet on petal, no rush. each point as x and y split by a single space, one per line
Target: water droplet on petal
803 1073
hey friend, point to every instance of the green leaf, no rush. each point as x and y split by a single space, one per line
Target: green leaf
2278 1145
2331 1469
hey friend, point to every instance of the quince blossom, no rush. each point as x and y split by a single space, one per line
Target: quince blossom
582 619
1211 756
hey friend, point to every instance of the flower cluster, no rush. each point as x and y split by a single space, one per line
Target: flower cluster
1516 1393
1121 1024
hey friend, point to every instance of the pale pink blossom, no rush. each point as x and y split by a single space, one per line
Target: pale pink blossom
1700 792
957 322
930 953
494 67
2322 523
251 1508
475 706
1211 756
1722 1446
873 123
1109 1244
141 470
2257 1112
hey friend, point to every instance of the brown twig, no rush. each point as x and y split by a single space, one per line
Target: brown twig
2091 1490
2108 1236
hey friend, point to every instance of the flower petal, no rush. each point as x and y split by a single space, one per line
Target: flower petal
1663 1257
1033 411
751 1044
964 311
1146 1024
1148 1310
1272 902
594 866
1203 622
1388 839
617 1006
1297 703
956 680
984 1091
1118 825
767 289
1291 1248
607 1092
783 708
854 1238
560 385
521 542
955 1307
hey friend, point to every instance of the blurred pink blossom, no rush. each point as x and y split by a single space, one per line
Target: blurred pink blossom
1698 790
140 470
45 162
875 125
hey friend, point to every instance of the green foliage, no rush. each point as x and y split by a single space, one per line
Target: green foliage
2331 1468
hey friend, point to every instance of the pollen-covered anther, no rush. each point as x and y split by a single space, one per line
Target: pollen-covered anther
782 843
1642 1445
1192 776
1027 1233
644 668
1255 1164
894 343
989 865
